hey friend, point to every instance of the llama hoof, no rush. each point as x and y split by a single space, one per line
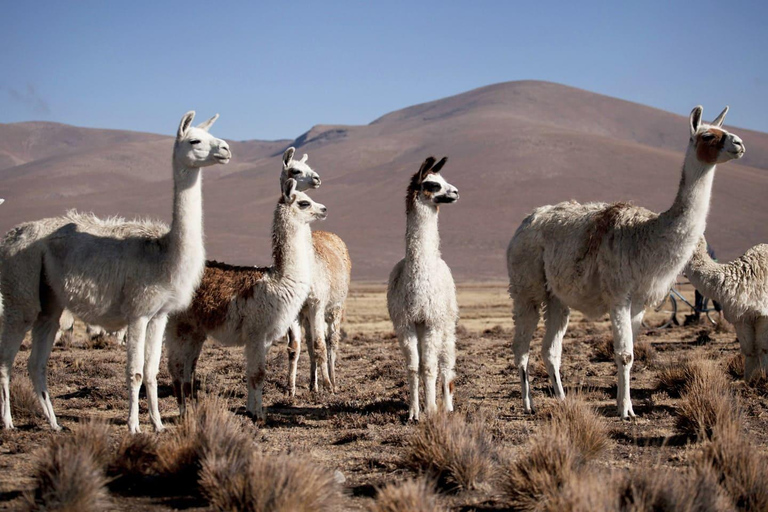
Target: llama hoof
159 428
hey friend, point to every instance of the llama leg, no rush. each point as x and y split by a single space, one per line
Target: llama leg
409 344
43 336
12 336
526 315
153 350
746 333
294 350
256 355
318 331
556 314
311 350
137 332
334 337
183 353
621 320
761 341
446 363
430 341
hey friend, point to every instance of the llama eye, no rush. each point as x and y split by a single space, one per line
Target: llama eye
431 186
295 172
196 141
303 204
707 137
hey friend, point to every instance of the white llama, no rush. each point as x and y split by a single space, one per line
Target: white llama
324 309
421 296
108 272
609 258
247 305
741 286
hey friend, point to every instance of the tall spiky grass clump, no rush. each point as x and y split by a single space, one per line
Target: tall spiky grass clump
24 402
69 473
707 403
674 378
457 452
555 457
409 496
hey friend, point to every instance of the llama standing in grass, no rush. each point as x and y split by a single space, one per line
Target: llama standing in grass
609 258
108 272
247 305
421 296
324 309
741 286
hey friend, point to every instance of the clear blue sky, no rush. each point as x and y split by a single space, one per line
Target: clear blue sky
274 69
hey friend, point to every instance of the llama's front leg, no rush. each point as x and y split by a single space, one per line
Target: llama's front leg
526 315
409 344
556 314
746 334
761 341
43 337
317 332
621 320
137 332
153 351
12 336
294 351
446 363
430 340
256 355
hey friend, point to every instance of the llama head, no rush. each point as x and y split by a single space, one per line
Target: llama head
711 142
298 170
300 205
195 147
429 187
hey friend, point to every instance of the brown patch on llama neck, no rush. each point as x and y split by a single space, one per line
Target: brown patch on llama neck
604 221
707 150
221 285
333 251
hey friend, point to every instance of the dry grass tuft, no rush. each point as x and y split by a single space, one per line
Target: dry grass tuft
644 352
735 366
409 496
674 378
101 341
707 403
136 458
261 483
24 403
581 425
457 452
69 473
603 349
658 490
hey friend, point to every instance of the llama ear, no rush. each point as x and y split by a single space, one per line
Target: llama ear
425 167
288 156
439 165
207 124
186 122
304 158
289 190
719 120
695 119
2 201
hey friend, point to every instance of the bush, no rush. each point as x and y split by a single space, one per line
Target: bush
707 403
409 496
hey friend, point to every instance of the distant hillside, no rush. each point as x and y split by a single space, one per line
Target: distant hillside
512 147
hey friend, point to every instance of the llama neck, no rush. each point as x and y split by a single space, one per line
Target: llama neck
292 251
683 224
422 238
186 235
704 273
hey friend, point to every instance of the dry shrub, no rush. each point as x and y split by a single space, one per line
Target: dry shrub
135 458
457 452
581 425
591 492
644 352
737 465
69 473
603 349
409 496
65 339
101 341
261 483
707 403
674 378
735 366
24 403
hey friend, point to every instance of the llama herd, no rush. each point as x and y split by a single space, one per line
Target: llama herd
153 279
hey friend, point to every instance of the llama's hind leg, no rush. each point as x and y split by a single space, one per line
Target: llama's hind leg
761 341
623 349
409 344
137 332
294 351
334 337
556 314
317 332
183 353
153 351
256 368
446 363
526 316
746 334
12 336
43 336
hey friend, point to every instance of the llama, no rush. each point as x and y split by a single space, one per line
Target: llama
108 272
741 286
421 296
248 305
66 327
323 311
609 258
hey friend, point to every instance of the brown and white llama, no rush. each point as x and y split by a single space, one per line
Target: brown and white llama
421 296
609 258
248 306
322 314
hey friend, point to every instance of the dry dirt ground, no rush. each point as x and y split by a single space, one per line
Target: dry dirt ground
361 430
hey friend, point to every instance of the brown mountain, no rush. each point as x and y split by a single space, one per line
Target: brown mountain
512 147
